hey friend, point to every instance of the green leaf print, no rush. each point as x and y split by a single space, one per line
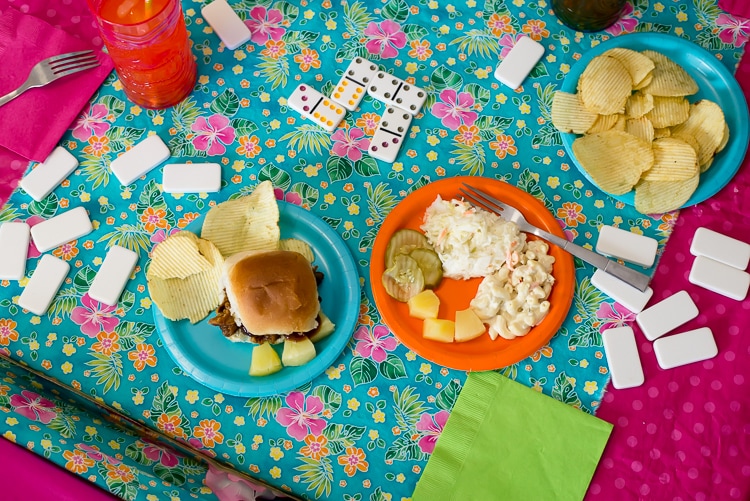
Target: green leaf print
587 298
447 397
363 370
339 168
274 70
404 449
356 18
63 304
243 126
174 476
392 367
331 398
46 208
165 402
395 10
129 236
548 135
379 495
184 115
414 32
115 106
366 167
96 169
121 138
707 12
317 474
297 40
352 49
64 424
565 392
227 103
125 490
263 407
653 28
341 436
289 10
380 201
443 78
107 368
8 213
511 371
133 333
540 70
495 7
545 95
471 158
83 279
585 335
309 138
408 407
480 94
482 42
307 193
527 182
135 452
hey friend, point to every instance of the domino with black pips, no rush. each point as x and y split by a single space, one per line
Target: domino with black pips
313 105
390 134
393 91
353 84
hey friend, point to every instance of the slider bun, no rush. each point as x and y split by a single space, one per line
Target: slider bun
272 292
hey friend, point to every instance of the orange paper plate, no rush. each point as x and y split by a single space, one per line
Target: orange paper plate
481 353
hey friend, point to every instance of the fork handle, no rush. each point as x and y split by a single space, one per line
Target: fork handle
14 94
628 275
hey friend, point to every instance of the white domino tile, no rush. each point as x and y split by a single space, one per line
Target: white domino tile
720 278
666 315
622 357
390 134
626 245
113 275
685 348
625 294
313 105
14 247
61 229
191 178
353 84
720 247
518 63
226 23
48 175
396 92
139 159
43 285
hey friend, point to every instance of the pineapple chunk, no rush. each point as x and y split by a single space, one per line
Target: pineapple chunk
468 326
264 361
326 327
438 329
297 353
424 305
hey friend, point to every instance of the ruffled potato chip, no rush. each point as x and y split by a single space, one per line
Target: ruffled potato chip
668 77
674 160
706 124
641 128
638 104
569 114
638 65
605 85
668 111
658 197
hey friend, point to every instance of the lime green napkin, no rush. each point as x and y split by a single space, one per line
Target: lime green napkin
506 441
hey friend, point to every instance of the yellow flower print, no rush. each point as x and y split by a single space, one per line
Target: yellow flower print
191 396
311 170
275 472
682 17
353 209
378 416
482 73
67 368
411 68
431 156
352 404
590 387
276 453
333 373
373 434
553 182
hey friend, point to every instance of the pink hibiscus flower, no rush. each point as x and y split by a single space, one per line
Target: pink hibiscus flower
301 417
94 453
373 344
431 427
33 251
626 23
614 315
94 317
734 30
385 38
213 134
91 122
455 109
292 197
162 454
507 42
265 24
350 143
33 406
160 235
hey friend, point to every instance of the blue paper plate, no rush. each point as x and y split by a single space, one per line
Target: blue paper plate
203 353
715 82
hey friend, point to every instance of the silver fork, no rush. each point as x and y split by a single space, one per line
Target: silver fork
636 279
52 68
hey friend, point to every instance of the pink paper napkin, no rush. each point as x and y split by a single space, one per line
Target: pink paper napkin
32 124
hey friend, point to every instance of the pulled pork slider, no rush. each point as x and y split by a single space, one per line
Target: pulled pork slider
269 296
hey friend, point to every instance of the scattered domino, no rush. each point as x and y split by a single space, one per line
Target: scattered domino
14 247
48 175
622 357
396 92
519 62
353 84
685 348
139 159
389 135
43 284
226 23
113 275
626 245
191 178
720 278
666 315
311 104
722 248
625 294
61 229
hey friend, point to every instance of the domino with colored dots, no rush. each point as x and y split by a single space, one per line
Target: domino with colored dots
311 104
390 134
396 92
353 84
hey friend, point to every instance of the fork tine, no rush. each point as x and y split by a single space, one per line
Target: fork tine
76 70
73 63
484 199
68 55
477 202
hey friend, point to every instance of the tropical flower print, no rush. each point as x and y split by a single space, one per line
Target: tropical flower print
375 343
249 146
91 122
33 406
291 197
163 455
33 251
454 109
302 415
386 38
468 135
120 472
77 462
94 453
353 460
503 145
536 29
8 331
274 49
153 219
626 23
66 251
161 235
420 50
570 212
264 24
350 143
507 42
613 315
94 317
98 146
143 355
431 428
733 30
368 122
213 134
315 447
500 24
208 433
107 343
307 58
170 425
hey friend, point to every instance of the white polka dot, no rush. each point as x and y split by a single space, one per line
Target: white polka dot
733 451
726 429
717 478
727 225
75 19
24 8
654 454
687 407
709 407
664 478
679 257
716 385
668 413
706 451
673 386
735 492
595 489
651 428
632 441
699 496
708 364
678 498
734 406
702 319
680 455
676 435
609 397
51 13
663 269
619 483
608 463
623 421
746 471
653 392
698 428
695 380
739 379
645 489
636 466
721 309
666 293
729 356
637 405
733 330
647 348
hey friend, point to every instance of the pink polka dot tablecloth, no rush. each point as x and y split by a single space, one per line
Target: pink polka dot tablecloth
685 434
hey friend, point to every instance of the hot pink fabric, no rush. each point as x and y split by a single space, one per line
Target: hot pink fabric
685 434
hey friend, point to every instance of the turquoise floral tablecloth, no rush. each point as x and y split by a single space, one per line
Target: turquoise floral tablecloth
366 427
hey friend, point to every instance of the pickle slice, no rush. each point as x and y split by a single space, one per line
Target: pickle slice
404 241
404 279
430 264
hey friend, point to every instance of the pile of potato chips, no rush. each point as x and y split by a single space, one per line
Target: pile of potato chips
639 131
